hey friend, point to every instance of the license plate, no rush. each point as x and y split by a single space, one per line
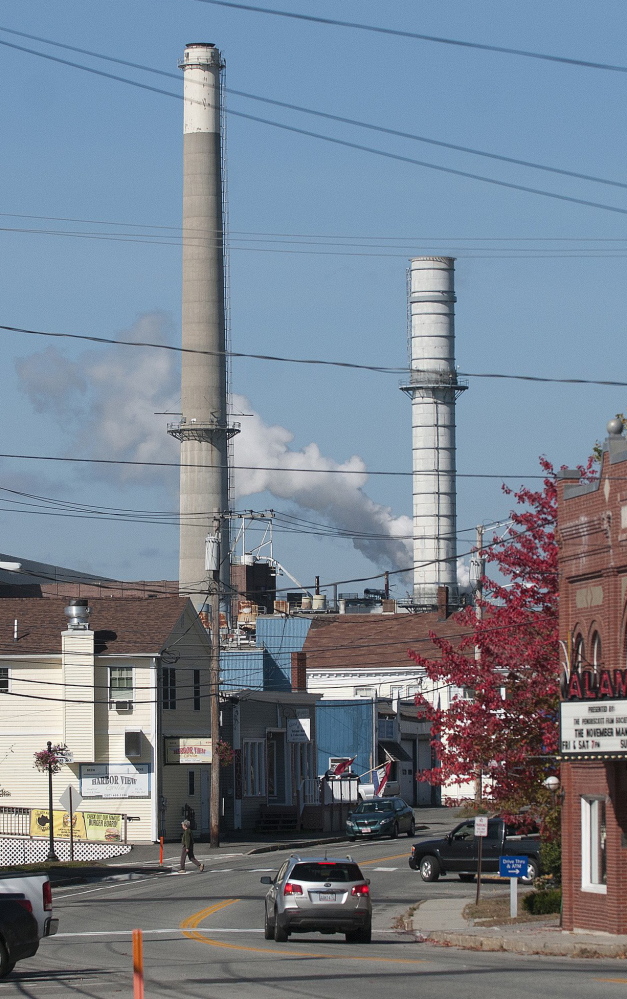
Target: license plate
326 896
366 829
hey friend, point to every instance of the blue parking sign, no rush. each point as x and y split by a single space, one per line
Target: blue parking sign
513 867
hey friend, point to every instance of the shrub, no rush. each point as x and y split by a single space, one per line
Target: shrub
551 859
541 903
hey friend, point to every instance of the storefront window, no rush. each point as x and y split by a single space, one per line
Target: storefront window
254 768
593 844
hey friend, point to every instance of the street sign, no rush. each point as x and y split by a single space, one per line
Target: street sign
513 867
481 825
65 756
66 803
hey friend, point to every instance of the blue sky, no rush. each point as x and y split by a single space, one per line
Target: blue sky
540 283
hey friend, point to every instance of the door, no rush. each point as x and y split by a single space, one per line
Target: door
204 798
407 772
492 845
460 852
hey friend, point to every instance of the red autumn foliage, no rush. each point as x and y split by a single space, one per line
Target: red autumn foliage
507 729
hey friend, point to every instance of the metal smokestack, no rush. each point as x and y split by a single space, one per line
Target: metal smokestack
433 388
203 431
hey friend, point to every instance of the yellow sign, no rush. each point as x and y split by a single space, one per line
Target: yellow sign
96 827
40 824
103 827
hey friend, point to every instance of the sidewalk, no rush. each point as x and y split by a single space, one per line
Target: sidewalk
441 921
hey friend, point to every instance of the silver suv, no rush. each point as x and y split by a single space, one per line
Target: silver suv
327 894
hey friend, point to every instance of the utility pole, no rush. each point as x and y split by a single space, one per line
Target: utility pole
212 565
479 617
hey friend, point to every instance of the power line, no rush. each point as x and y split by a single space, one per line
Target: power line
586 63
332 117
380 369
332 236
335 141
265 468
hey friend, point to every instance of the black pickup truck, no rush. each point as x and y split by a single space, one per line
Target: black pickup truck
458 852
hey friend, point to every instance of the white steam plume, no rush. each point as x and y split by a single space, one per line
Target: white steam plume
106 401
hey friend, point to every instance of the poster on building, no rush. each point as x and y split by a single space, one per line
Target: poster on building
187 750
593 729
115 780
298 729
104 827
40 824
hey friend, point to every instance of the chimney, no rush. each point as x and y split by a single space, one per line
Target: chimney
78 664
204 430
433 388
299 671
443 610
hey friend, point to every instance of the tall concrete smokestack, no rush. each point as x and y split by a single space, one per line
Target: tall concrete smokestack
203 431
433 388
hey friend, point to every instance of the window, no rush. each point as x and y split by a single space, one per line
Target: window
386 728
191 783
396 693
169 688
121 683
4 680
196 690
413 689
597 653
272 768
593 844
254 768
365 692
132 744
579 656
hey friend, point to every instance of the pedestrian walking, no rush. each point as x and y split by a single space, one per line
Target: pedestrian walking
187 847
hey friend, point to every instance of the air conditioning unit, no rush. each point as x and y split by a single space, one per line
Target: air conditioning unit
122 705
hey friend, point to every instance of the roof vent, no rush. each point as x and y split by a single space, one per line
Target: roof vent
78 613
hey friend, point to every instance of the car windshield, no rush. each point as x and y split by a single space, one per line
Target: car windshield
326 871
374 806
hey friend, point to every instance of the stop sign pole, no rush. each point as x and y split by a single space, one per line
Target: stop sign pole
481 830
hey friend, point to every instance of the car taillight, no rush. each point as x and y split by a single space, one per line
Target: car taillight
25 903
360 890
292 889
47 897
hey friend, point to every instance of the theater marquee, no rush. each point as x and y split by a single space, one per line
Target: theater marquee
593 716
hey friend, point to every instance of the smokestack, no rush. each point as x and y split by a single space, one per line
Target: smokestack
203 431
433 388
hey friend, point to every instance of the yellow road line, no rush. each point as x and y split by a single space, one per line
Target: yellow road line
190 924
197 917
619 980
379 860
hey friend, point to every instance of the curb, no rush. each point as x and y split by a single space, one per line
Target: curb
314 842
549 948
273 847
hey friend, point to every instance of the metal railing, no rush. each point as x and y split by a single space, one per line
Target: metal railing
14 821
308 792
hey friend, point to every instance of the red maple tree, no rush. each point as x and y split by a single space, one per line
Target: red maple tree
501 731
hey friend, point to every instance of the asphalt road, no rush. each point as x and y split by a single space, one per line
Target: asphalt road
203 938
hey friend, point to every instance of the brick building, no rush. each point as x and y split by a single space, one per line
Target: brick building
592 538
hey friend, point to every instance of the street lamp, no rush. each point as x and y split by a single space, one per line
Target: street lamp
51 854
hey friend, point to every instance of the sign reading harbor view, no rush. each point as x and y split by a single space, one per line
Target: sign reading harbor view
115 780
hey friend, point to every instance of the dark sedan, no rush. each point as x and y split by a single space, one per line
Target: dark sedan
381 817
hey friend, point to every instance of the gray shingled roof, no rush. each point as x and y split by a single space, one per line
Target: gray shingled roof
125 626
